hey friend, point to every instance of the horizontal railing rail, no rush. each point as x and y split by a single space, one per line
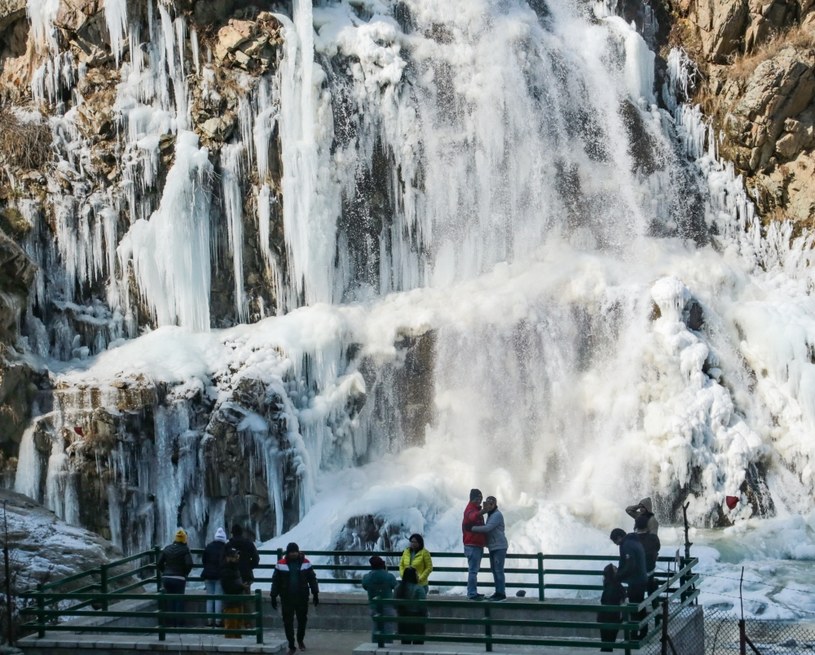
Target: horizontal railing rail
678 591
94 593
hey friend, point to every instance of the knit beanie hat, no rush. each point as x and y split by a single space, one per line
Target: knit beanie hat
181 536
377 562
220 535
292 548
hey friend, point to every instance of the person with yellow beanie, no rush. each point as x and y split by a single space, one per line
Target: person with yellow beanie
175 564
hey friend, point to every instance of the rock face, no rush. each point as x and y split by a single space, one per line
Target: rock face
43 548
757 83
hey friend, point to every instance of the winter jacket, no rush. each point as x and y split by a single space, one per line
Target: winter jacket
249 556
644 507
410 591
175 560
231 580
307 581
613 594
631 568
650 544
211 560
421 562
378 583
472 517
494 530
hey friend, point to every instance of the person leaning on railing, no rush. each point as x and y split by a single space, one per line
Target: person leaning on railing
380 585
416 556
175 564
410 589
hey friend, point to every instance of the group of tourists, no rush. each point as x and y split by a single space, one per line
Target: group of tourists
415 567
636 569
227 568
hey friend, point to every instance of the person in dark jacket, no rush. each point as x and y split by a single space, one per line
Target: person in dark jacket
410 589
232 583
613 594
380 585
174 564
249 557
631 569
211 574
473 542
651 545
292 580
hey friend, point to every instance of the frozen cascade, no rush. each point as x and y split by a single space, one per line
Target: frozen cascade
170 253
500 269
116 19
231 164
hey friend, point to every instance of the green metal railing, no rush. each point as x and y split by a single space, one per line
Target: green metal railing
677 592
94 593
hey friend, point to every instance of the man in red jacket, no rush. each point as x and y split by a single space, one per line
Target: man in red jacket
473 542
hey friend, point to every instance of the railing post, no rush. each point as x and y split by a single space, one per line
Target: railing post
627 630
259 612
540 577
742 638
40 612
162 635
103 585
156 553
488 627
665 627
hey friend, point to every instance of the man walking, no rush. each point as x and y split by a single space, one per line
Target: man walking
292 580
473 542
496 544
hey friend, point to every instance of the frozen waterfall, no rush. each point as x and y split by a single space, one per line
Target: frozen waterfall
489 258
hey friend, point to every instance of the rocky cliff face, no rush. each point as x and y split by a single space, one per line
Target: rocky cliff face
756 82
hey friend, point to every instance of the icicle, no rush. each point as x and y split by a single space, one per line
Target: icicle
116 19
231 164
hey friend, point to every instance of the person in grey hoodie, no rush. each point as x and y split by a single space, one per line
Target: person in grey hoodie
497 545
644 508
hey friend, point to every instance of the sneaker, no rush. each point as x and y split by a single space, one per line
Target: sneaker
497 597
477 597
301 646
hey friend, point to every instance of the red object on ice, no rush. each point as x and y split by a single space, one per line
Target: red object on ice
79 431
731 501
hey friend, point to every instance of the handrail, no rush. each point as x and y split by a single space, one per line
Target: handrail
101 590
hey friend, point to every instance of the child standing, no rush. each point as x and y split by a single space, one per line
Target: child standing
613 594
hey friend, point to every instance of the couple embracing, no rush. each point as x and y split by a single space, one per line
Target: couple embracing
478 533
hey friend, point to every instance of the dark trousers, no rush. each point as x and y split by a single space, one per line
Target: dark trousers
607 636
415 630
299 608
636 594
173 586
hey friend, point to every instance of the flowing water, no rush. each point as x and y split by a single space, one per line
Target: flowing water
510 262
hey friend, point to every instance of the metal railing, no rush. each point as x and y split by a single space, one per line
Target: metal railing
678 591
93 593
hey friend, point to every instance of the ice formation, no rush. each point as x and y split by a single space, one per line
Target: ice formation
504 266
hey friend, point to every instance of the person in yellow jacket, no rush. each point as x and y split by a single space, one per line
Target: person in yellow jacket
417 557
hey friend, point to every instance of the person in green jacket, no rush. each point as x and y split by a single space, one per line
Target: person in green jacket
418 557
410 589
380 585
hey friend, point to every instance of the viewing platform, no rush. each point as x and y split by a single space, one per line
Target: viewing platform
119 609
